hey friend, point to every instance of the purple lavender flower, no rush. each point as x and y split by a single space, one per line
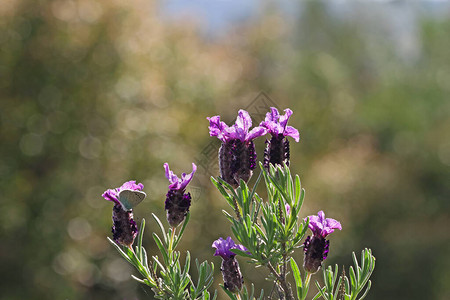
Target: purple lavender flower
223 247
231 272
177 201
316 247
124 227
237 155
277 148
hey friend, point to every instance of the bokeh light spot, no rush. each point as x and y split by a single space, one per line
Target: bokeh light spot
90 147
79 228
31 144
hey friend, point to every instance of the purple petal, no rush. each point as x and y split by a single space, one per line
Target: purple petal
113 194
320 225
331 225
288 209
273 115
131 185
292 132
241 126
321 215
285 118
223 247
277 124
243 120
217 128
185 179
256 132
173 179
179 183
272 127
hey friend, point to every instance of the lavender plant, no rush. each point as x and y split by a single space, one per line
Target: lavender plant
271 230
167 277
268 231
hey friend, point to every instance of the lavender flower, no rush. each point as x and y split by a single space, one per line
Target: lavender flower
124 227
231 272
237 155
277 148
177 201
316 247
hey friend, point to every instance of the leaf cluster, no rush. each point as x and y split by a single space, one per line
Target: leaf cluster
347 289
168 278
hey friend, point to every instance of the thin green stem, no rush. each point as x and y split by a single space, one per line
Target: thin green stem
306 285
172 238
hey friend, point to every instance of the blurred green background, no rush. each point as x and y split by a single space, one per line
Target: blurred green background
95 93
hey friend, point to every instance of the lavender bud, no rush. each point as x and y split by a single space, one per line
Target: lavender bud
124 228
177 205
237 160
277 151
177 201
231 273
316 247
316 251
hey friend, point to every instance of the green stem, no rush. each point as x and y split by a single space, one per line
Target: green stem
172 238
306 286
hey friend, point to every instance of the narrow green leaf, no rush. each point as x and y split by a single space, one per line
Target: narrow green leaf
298 188
255 186
317 296
228 186
230 294
353 281
221 189
120 250
261 296
301 199
357 268
139 240
180 235
321 291
144 258
161 227
369 285
161 248
297 278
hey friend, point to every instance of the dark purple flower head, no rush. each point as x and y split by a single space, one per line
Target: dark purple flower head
316 248
223 247
124 227
240 130
322 226
177 201
113 194
237 155
277 124
231 273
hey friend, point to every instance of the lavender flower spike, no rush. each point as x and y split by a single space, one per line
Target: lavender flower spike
316 247
237 155
124 227
177 201
231 272
277 148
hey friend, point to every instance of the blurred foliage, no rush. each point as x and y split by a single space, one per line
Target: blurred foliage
94 93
